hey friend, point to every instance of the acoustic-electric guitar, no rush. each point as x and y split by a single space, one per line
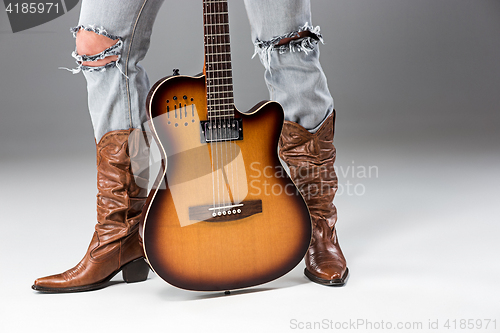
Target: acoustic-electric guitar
223 214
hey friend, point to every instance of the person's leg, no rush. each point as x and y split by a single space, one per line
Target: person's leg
287 45
116 82
111 38
293 73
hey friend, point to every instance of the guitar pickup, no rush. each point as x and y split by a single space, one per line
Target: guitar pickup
221 130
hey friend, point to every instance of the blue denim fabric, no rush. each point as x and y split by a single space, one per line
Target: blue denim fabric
117 92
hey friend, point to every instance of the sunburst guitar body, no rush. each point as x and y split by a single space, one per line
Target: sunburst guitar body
223 214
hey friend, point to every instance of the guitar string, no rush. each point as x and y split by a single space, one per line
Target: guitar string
215 66
221 94
209 103
230 93
218 113
234 164
220 184
234 151
222 68
221 56
217 19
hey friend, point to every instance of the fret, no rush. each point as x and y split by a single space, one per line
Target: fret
220 70
220 115
215 76
220 53
210 24
221 13
217 101
220 106
221 85
219 62
223 64
226 107
217 107
219 98
210 54
226 101
211 101
218 44
220 92
228 87
212 98
224 34
227 112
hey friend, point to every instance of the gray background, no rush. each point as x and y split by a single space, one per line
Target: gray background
415 85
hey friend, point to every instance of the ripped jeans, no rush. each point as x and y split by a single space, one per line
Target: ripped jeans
117 91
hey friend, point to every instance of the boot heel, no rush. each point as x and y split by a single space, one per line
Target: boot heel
135 271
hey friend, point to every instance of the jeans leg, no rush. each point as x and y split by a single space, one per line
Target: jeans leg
117 91
293 72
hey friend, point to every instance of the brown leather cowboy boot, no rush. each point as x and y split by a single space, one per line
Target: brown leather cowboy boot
116 245
310 158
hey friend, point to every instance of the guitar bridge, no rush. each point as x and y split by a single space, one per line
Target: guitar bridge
208 213
221 130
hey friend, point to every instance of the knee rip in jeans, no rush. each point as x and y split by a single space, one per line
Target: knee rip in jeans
113 50
296 44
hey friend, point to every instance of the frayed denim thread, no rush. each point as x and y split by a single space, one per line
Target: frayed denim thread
111 51
306 44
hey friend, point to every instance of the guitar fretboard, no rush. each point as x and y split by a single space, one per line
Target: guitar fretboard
219 77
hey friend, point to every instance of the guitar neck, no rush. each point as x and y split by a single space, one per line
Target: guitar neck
219 77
